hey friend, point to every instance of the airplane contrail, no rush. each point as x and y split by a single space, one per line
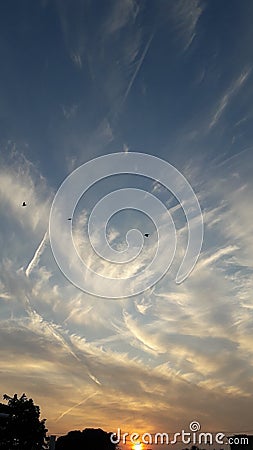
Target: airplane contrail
138 67
93 378
75 406
230 158
36 257
34 315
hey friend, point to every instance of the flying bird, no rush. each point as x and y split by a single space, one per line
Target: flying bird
24 204
146 234
70 218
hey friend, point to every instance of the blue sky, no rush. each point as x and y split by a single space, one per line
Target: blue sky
168 78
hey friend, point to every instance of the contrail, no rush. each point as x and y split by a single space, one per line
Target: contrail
36 257
75 406
93 378
138 67
34 315
225 161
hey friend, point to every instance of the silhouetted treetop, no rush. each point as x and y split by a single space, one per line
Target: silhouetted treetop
88 439
20 427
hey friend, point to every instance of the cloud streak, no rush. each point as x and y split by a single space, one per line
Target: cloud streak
187 349
138 67
75 406
37 255
227 97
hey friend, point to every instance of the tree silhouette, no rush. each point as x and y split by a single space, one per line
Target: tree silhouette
88 439
20 427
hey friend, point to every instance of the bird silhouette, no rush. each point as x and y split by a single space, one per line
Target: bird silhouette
146 234
70 218
24 204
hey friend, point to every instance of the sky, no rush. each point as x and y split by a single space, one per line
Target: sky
83 79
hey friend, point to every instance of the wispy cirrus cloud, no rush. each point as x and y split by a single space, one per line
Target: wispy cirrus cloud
186 349
185 15
228 96
120 15
187 339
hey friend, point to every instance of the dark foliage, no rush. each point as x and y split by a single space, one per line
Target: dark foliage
88 439
20 427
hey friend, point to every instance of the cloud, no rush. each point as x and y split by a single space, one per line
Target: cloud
228 96
72 23
187 349
186 15
110 67
77 59
215 256
69 112
120 15
139 64
75 406
179 347
125 148
36 258
20 181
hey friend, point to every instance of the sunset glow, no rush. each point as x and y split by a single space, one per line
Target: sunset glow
137 446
